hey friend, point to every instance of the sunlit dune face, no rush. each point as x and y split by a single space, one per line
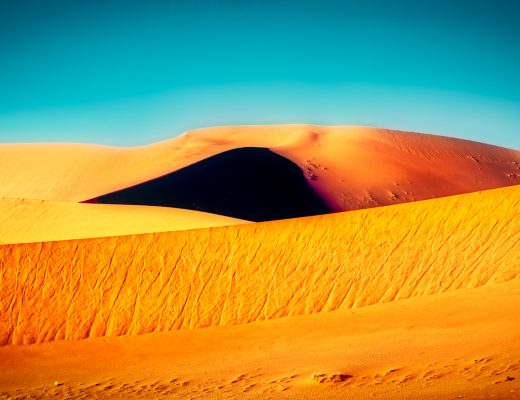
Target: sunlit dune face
244 273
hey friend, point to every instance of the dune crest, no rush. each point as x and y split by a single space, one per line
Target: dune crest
239 274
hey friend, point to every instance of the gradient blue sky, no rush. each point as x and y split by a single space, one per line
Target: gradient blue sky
134 72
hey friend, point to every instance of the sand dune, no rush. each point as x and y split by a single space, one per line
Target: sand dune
25 221
462 344
245 273
349 167
415 300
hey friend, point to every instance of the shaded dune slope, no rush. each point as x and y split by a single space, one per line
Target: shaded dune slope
239 274
248 183
25 220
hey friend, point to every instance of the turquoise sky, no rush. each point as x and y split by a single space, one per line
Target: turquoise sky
129 72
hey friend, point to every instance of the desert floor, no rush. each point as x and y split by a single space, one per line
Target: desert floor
462 344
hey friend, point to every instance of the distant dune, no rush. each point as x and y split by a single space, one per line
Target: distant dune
348 167
25 220
239 274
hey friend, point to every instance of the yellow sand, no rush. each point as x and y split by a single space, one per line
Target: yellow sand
461 344
409 301
245 273
25 220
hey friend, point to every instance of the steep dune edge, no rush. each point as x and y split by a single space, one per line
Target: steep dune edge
239 274
349 167
26 221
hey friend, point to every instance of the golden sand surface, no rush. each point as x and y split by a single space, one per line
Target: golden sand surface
453 345
244 273
410 291
26 220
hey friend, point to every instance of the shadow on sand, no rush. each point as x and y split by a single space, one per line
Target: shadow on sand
250 183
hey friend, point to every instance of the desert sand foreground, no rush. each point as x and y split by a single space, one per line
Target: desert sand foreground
461 344
349 167
26 220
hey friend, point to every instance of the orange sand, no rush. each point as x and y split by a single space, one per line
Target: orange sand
25 221
244 273
351 167
410 301
462 344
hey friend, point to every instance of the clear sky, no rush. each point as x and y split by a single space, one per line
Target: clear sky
133 72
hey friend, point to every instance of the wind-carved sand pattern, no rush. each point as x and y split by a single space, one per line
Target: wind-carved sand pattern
245 273
416 299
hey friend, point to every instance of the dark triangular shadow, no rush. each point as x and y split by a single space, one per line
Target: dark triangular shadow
250 183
